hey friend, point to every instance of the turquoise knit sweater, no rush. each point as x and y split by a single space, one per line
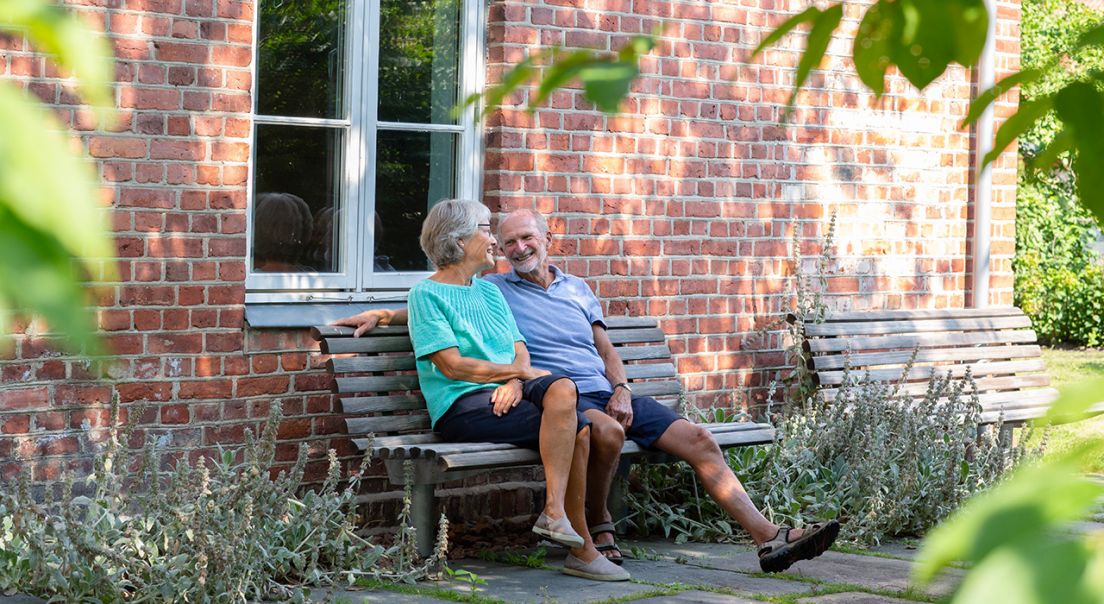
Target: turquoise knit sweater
475 319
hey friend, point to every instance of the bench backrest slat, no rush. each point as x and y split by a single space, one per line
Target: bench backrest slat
379 387
996 345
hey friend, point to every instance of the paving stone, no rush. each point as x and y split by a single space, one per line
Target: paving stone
518 584
667 572
852 597
697 597
896 549
381 596
834 567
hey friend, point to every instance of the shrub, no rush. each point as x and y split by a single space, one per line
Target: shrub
218 531
883 463
1059 281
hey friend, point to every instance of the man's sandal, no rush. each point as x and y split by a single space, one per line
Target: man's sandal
779 553
601 529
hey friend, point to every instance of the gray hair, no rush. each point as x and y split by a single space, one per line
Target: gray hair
449 221
538 219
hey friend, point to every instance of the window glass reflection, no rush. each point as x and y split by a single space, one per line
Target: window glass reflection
418 61
301 58
414 170
295 204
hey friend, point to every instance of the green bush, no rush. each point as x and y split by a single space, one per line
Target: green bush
884 464
218 531
1059 279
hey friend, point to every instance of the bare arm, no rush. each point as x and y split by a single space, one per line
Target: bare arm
369 319
467 369
620 404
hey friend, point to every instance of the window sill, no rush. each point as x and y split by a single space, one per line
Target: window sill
275 315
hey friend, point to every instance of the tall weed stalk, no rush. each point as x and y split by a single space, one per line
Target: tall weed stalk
218 530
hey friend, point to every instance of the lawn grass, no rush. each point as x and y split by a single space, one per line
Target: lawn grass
1067 366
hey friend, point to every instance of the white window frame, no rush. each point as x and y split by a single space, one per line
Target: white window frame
356 280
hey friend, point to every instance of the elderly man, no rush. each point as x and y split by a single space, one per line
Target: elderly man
564 329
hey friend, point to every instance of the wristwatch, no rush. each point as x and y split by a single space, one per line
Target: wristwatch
622 385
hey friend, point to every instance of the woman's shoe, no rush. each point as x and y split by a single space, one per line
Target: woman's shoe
598 569
558 530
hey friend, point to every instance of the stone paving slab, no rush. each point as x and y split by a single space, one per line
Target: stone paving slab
852 597
519 584
697 597
380 596
669 572
867 571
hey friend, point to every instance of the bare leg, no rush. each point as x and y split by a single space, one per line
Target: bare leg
606 439
696 445
575 500
557 444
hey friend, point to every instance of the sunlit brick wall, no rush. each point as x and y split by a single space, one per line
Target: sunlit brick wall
682 207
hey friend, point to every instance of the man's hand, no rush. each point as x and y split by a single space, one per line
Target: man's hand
620 407
506 397
366 321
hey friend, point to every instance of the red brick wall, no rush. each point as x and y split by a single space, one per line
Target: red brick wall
681 208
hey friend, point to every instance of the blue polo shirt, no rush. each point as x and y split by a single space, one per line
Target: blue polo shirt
556 323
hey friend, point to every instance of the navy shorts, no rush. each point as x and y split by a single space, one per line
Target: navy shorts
471 417
650 418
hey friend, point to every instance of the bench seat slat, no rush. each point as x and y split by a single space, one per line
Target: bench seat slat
643 353
650 370
934 313
378 343
387 423
926 340
984 384
923 373
627 336
359 364
656 389
380 383
623 322
379 404
873 359
922 325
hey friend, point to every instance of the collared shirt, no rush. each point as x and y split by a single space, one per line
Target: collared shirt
556 323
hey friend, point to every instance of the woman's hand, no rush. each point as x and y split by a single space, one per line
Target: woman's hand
527 373
506 397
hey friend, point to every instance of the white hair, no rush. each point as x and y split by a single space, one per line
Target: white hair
449 221
538 219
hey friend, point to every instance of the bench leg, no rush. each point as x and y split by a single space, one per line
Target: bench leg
422 508
616 503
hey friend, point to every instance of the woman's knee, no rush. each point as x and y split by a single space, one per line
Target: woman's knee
561 395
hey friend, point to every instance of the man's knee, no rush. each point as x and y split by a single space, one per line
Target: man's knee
699 441
583 438
607 435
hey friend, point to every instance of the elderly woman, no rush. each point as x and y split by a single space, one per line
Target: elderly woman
474 371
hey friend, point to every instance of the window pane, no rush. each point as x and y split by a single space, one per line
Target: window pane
302 53
418 61
414 170
296 214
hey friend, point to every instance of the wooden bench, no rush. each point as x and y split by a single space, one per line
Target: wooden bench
996 344
379 394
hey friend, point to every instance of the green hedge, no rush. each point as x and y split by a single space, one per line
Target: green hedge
1059 278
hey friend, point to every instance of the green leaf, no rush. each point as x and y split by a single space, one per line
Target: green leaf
1074 402
1062 142
557 75
1080 107
871 51
77 49
1045 571
605 84
982 101
1018 123
1092 37
37 275
808 15
970 24
819 38
1022 510
515 78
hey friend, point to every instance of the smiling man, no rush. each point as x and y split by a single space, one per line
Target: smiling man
565 331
